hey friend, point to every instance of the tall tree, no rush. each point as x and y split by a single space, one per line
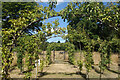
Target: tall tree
94 18
30 17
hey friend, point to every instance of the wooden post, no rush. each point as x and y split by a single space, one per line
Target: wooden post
36 70
36 64
53 55
64 55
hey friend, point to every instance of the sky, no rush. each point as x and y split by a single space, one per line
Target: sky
59 6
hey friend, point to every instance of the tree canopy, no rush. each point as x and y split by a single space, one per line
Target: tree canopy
90 26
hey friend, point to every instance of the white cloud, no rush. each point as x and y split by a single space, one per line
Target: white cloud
56 39
59 1
46 29
52 30
66 34
44 0
8 16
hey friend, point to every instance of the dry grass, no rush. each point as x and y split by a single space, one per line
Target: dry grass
114 58
96 58
14 62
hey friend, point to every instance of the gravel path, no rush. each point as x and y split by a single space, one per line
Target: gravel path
60 66
61 69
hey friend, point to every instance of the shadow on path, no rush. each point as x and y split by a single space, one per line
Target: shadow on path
97 70
12 68
77 73
82 74
112 71
42 74
61 68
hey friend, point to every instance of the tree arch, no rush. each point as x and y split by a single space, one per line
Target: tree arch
30 18
68 47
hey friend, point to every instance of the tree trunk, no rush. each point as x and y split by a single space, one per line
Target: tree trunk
37 69
100 74
119 65
80 50
87 75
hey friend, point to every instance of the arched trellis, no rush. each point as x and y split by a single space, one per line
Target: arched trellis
68 47
7 48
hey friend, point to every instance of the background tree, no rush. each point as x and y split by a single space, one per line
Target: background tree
58 42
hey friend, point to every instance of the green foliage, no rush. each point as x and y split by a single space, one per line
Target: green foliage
19 61
87 23
80 65
105 53
13 10
19 18
11 30
6 53
57 46
48 55
28 75
71 49
88 57
95 19
65 46
41 65
20 49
